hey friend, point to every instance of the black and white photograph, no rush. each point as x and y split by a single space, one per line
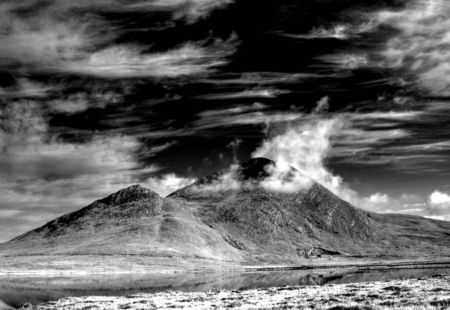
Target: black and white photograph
224 154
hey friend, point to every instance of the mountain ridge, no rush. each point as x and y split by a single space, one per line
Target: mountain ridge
242 222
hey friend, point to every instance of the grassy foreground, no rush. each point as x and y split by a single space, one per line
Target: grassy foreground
425 293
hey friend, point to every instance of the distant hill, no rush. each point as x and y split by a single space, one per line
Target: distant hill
230 217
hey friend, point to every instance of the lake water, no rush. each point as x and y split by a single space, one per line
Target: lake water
14 291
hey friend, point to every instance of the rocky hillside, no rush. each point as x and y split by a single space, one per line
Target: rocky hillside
313 222
230 217
133 221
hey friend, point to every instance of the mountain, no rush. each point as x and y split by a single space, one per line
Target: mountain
133 221
230 216
277 226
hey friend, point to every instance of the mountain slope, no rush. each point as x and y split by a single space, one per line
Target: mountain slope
133 221
276 226
231 216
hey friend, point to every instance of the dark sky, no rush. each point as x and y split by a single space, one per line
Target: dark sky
98 95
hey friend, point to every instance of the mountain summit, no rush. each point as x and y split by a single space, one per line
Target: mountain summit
230 216
256 168
248 176
130 194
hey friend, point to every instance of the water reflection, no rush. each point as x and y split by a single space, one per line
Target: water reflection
15 292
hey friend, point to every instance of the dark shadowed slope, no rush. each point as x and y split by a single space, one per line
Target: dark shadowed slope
229 216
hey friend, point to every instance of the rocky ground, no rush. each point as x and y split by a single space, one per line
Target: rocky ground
424 293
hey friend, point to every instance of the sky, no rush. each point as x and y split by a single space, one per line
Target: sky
99 95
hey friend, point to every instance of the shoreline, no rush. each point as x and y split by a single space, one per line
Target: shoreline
369 266
424 293
68 268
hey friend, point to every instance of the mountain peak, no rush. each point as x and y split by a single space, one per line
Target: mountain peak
130 194
255 168
246 175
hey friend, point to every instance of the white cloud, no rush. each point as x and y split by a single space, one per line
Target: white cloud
131 61
304 146
279 178
418 48
387 115
168 183
263 78
43 40
25 88
249 93
282 179
437 206
81 101
421 44
424 147
56 159
243 116
367 137
348 137
437 217
322 105
234 146
438 198
347 61
57 38
192 10
226 181
339 31
353 142
155 149
379 198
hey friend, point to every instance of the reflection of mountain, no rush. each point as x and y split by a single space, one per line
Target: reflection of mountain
230 217
16 291
318 279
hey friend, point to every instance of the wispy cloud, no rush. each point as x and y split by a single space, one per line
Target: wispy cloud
420 47
25 88
417 48
56 37
125 61
42 39
82 101
192 10
338 31
347 61
262 78
242 115
168 183
218 120
249 93
43 176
